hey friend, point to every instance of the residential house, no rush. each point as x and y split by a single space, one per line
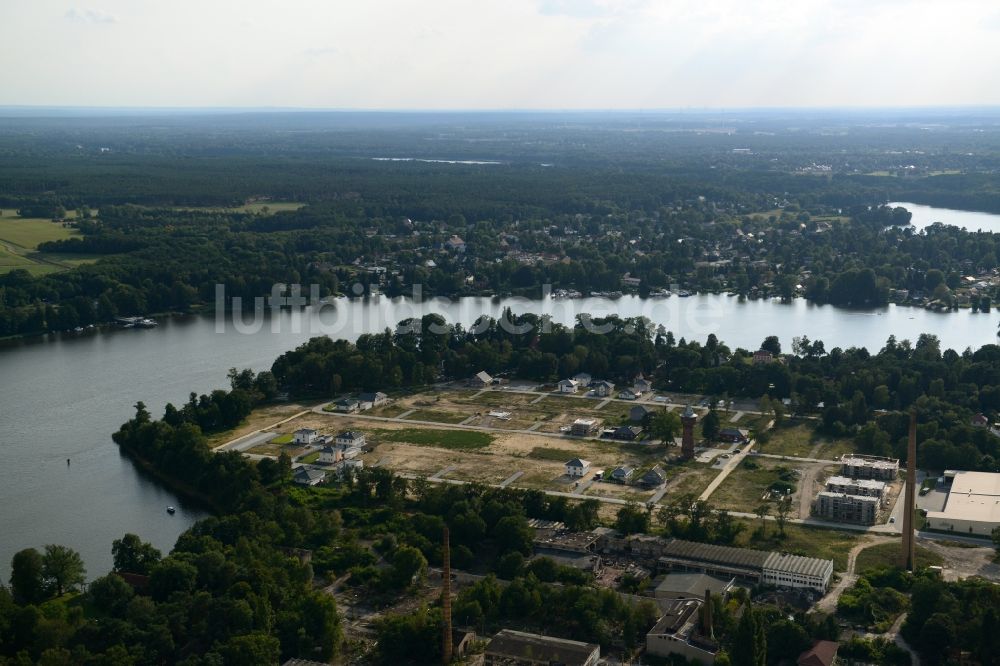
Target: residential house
480 380
307 476
653 478
350 438
980 420
638 413
822 653
603 388
330 455
623 433
568 386
347 405
583 427
642 385
455 244
372 400
582 379
577 467
629 394
622 474
733 435
762 356
304 436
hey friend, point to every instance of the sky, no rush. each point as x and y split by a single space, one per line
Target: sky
500 54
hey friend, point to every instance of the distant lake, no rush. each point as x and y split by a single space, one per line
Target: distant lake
925 216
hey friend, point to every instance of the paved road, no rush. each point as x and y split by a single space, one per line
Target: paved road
239 444
730 465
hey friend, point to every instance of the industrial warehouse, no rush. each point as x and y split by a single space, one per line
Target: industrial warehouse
972 507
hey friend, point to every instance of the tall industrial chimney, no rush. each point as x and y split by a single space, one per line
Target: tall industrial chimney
906 556
707 616
446 646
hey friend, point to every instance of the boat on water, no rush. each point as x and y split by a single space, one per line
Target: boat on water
683 293
660 293
136 322
171 510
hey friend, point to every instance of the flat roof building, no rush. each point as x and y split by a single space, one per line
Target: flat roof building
972 507
692 586
857 509
859 466
518 648
679 632
849 486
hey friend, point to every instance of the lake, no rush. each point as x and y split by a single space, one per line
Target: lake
62 397
925 216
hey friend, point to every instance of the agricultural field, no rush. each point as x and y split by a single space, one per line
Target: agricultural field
257 207
19 241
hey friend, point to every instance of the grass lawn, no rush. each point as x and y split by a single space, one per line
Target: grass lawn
745 487
282 439
311 458
558 455
694 480
800 540
389 411
437 416
800 440
887 555
445 439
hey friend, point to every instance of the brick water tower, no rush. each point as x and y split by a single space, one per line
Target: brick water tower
688 419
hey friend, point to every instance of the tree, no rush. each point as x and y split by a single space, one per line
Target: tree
133 555
26 581
772 344
710 425
782 510
110 594
750 640
761 512
409 566
513 533
665 426
62 568
632 519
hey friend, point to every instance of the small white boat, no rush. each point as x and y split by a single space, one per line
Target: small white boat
171 510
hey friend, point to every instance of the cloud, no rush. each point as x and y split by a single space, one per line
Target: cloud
588 9
321 51
87 15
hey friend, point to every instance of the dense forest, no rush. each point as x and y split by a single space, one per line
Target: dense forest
576 202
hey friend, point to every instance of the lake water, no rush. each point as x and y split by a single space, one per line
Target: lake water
63 397
924 216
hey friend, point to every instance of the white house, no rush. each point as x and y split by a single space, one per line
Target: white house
330 455
350 438
582 379
304 436
568 386
577 467
480 379
629 394
348 466
372 400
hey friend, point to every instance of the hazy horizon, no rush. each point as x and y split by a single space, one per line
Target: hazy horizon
530 55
